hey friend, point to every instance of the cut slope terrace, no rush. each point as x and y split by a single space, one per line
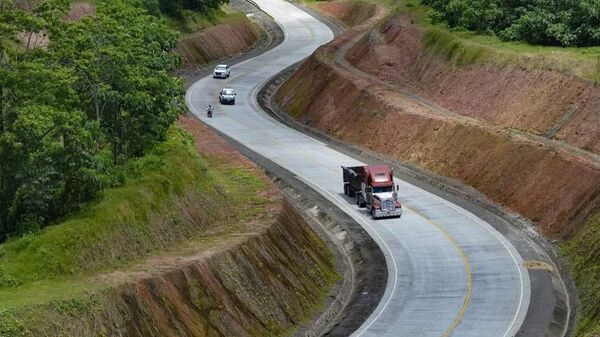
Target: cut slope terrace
345 90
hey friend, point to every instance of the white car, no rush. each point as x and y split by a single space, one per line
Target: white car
227 96
221 71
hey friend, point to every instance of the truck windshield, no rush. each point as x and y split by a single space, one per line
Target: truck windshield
383 189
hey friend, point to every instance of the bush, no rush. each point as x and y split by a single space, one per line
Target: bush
175 8
544 22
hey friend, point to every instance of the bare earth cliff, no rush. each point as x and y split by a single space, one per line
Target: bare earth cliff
520 129
433 113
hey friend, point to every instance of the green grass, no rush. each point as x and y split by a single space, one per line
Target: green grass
466 47
129 223
193 22
583 255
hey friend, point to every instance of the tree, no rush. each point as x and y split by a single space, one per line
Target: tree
546 22
123 59
175 8
103 84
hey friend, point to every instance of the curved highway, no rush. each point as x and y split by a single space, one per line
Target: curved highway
450 273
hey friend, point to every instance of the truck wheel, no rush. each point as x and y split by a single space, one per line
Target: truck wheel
351 192
359 201
346 192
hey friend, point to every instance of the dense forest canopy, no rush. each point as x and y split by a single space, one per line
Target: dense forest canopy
76 107
544 22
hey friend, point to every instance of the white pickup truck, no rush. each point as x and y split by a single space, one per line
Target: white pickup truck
221 71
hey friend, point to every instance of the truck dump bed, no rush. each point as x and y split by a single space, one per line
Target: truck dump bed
354 175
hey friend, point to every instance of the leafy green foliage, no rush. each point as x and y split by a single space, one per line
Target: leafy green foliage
176 8
544 22
72 112
10 326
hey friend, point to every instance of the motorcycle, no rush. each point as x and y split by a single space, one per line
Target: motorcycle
209 111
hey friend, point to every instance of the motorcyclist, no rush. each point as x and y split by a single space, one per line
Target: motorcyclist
209 111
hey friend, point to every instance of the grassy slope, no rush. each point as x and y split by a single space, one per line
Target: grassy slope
192 22
126 224
583 255
466 47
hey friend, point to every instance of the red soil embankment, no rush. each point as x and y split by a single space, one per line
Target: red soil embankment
533 99
264 285
546 184
260 287
218 42
351 13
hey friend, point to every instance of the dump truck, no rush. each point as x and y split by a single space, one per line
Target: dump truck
373 187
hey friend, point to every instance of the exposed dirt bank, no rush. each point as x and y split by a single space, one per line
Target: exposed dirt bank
265 284
385 119
549 103
350 13
547 184
80 10
218 42
261 277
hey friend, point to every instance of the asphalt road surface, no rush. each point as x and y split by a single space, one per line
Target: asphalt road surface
450 273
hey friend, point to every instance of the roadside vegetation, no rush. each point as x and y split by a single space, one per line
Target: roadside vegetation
80 98
75 110
558 22
173 202
466 46
193 22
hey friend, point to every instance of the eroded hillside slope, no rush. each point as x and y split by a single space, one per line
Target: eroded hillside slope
511 168
522 130
233 37
523 94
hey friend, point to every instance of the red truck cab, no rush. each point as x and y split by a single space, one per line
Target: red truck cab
373 187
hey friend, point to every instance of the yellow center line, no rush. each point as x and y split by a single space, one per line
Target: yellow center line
467 265
449 237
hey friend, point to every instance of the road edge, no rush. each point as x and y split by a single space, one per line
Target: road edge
358 257
564 290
